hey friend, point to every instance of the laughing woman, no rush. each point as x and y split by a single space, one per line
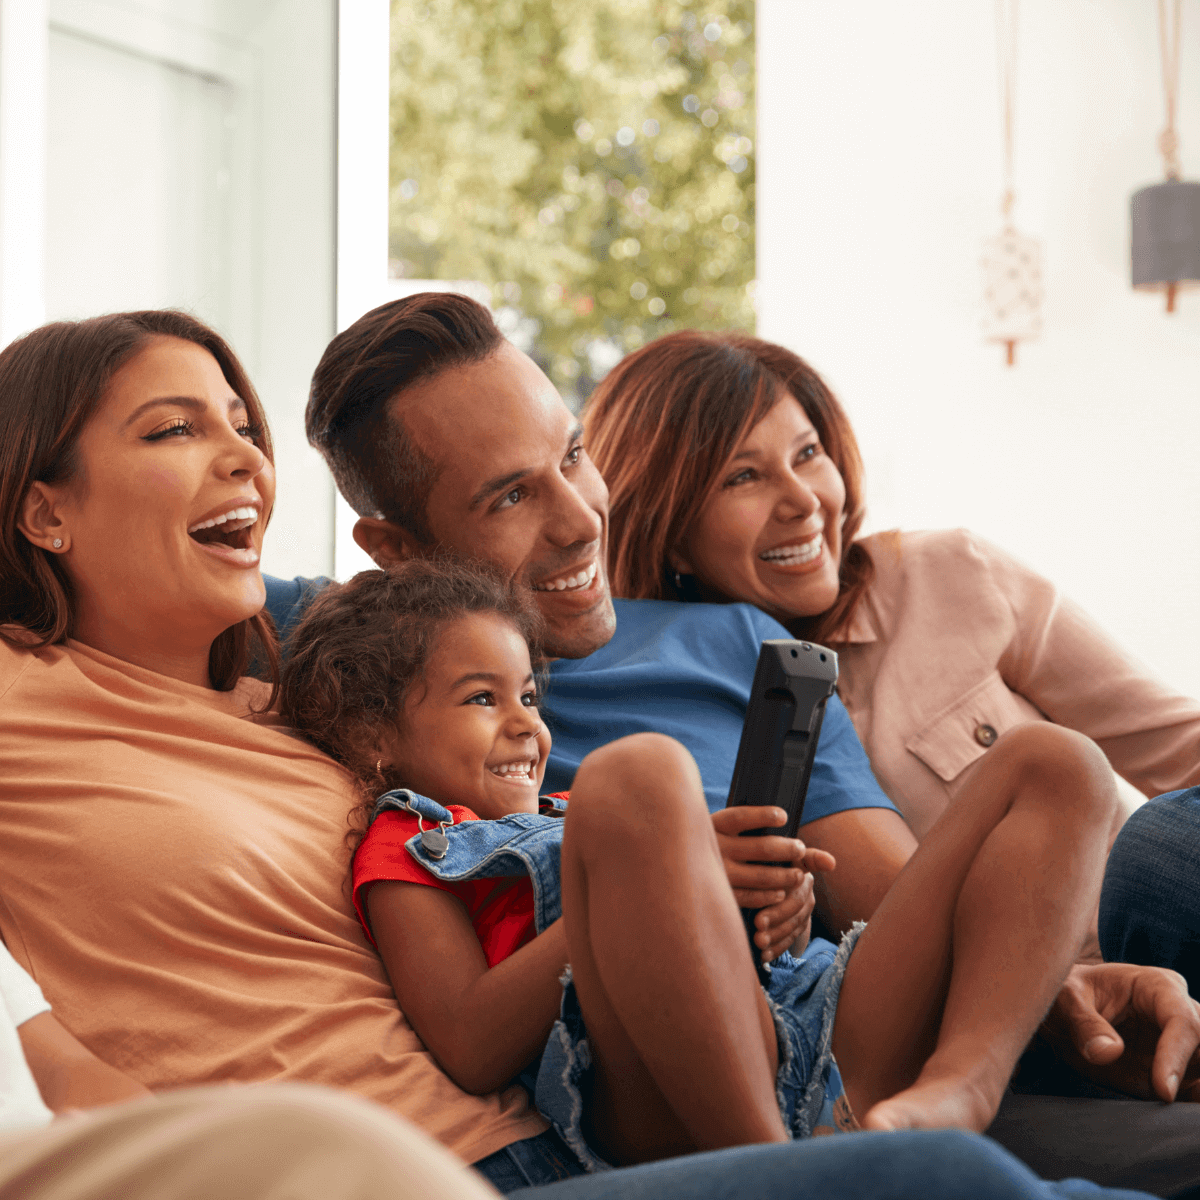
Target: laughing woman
734 475
171 861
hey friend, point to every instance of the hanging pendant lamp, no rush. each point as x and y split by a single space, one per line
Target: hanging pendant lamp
1164 240
1011 261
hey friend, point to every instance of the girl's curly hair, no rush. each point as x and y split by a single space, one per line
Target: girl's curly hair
360 648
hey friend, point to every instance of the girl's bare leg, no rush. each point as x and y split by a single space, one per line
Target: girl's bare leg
681 1036
961 961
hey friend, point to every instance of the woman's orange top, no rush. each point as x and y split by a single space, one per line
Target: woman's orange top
175 876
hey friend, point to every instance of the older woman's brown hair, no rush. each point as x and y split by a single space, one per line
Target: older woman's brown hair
51 383
663 423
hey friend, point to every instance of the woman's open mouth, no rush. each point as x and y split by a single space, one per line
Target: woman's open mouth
796 554
228 536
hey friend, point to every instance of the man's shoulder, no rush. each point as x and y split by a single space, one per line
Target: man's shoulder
666 629
288 598
636 618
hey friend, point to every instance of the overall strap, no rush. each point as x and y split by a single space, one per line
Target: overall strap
403 800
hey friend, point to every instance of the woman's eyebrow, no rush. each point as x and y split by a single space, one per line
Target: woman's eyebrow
236 404
752 453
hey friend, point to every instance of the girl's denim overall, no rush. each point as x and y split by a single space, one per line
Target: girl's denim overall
802 994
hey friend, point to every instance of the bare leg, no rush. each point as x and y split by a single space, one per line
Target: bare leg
682 1039
964 956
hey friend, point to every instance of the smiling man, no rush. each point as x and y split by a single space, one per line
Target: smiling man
516 486
443 436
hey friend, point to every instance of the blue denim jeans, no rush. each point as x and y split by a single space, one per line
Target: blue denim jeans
1150 902
941 1165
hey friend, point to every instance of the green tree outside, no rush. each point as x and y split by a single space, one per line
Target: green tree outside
592 161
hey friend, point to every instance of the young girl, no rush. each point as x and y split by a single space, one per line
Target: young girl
658 1040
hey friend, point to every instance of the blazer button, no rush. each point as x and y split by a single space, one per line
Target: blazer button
985 735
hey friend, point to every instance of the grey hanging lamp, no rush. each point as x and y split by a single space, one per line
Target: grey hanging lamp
1164 240
1011 261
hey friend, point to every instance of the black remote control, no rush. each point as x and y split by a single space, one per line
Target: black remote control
792 684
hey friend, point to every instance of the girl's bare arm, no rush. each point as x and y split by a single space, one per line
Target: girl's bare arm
67 1073
482 1025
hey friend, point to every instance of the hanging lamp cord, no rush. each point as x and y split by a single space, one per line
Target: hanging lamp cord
1006 53
1168 44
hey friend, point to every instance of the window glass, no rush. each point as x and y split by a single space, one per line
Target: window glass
590 161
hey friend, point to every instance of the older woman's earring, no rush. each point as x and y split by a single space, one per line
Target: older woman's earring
678 582
57 543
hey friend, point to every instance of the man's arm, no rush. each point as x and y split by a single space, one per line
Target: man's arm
871 846
1130 1027
67 1073
287 600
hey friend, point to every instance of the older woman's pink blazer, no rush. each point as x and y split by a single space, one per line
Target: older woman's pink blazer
956 642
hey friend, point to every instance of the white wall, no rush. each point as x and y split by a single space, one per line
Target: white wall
364 144
879 174
189 158
23 67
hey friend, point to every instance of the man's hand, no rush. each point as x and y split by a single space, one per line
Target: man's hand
1132 1028
784 894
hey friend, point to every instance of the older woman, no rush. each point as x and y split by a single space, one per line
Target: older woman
733 475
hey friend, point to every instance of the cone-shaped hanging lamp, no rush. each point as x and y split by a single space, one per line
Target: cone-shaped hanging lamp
1164 218
1164 237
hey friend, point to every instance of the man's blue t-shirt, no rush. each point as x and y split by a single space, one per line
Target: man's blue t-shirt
288 598
680 669
685 670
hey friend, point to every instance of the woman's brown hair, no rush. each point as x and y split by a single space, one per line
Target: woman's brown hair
664 422
51 383
362 646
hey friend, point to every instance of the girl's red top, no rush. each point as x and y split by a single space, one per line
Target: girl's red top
500 910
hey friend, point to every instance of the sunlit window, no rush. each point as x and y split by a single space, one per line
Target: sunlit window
590 162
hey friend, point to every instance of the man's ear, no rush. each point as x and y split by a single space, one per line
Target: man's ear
385 541
40 521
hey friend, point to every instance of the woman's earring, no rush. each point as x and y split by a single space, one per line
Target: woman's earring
678 582
57 543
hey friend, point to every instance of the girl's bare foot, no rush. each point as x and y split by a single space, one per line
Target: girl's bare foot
946 1102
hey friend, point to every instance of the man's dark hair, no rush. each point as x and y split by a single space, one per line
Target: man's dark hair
378 467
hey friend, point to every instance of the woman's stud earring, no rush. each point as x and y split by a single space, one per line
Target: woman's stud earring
57 543
678 581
